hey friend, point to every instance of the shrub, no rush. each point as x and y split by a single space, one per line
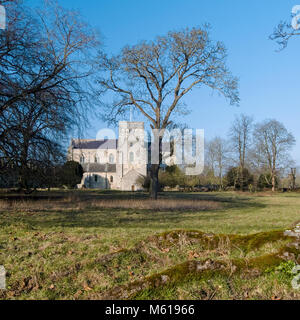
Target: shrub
71 174
144 181
171 177
239 179
265 181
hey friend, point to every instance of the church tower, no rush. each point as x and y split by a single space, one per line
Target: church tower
132 154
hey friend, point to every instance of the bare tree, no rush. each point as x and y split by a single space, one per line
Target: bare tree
43 51
154 76
272 143
34 133
240 134
45 64
218 155
284 31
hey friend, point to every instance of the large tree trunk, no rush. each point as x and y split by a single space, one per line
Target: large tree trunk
242 178
23 173
23 179
154 169
154 186
273 182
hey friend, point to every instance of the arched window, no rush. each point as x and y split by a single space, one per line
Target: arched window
82 159
96 178
111 179
97 159
131 157
111 158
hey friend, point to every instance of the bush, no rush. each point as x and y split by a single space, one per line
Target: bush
265 181
239 179
171 177
71 174
144 181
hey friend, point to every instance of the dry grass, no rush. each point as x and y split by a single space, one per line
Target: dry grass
142 204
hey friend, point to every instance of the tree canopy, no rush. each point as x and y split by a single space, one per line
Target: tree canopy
154 76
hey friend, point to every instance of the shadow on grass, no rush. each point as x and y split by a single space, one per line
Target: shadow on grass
129 218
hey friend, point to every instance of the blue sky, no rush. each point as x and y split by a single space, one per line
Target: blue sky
269 81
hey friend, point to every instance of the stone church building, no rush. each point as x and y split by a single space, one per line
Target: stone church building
113 164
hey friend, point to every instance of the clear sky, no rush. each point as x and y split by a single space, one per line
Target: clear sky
269 80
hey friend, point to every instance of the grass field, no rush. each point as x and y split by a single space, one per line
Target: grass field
109 245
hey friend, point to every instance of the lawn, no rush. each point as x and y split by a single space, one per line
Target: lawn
103 245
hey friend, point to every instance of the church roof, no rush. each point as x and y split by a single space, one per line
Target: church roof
95 144
98 167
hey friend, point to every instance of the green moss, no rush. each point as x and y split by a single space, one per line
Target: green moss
264 262
256 241
285 268
176 276
211 241
173 277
